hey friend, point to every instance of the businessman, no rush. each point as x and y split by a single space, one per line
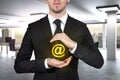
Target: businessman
40 35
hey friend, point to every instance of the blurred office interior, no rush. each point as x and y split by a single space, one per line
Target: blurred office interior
104 26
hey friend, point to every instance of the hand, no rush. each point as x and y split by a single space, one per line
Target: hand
59 64
65 39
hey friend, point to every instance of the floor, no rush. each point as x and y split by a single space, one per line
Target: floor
110 70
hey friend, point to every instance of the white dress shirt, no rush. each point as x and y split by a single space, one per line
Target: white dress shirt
53 28
52 24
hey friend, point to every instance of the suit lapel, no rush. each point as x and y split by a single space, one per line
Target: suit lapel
47 28
68 26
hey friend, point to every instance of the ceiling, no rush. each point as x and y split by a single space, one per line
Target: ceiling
17 13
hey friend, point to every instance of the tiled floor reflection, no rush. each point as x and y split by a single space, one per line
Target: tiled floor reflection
109 71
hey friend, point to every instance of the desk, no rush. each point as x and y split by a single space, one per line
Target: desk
6 45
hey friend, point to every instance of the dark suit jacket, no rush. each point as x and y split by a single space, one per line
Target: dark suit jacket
38 38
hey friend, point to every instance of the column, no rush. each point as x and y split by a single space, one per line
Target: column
111 35
104 36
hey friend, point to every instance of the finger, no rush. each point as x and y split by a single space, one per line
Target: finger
54 62
59 63
66 62
63 65
68 59
56 37
53 39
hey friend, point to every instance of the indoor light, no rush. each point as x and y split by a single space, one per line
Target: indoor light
108 8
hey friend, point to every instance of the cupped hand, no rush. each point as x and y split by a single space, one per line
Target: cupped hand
57 63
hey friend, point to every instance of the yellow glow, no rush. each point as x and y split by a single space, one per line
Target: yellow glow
58 50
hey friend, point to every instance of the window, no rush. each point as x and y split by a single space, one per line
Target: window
118 35
96 31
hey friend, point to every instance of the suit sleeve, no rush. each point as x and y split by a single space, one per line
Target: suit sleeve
23 64
87 51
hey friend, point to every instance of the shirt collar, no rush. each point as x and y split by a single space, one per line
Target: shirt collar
63 19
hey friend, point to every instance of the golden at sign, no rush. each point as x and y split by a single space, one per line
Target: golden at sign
58 50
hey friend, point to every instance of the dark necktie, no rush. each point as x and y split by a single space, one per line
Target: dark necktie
58 26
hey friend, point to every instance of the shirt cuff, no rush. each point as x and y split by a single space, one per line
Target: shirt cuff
45 63
74 49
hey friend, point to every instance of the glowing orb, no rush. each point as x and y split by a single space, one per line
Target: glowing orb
58 50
